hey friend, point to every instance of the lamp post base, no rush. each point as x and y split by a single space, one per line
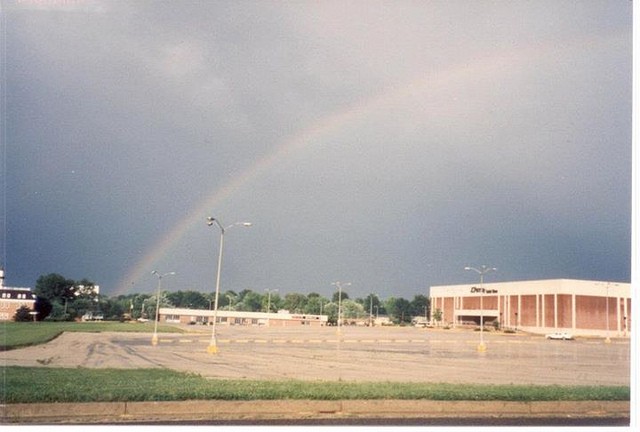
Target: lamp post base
154 340
482 347
212 349
607 340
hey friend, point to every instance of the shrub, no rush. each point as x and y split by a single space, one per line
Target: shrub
22 314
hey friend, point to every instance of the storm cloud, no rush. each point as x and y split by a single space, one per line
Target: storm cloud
388 144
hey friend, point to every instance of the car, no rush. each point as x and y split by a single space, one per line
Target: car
559 336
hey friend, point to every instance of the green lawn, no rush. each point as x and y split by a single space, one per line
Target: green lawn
36 385
21 334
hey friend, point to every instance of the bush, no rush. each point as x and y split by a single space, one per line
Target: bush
23 314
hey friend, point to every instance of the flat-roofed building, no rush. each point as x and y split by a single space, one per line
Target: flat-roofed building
541 306
225 317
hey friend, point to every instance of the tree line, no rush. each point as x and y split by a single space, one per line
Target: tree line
62 299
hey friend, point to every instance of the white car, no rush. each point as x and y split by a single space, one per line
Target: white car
559 336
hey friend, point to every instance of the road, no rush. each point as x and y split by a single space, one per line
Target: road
399 421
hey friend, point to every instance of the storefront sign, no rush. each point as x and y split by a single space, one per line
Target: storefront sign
483 290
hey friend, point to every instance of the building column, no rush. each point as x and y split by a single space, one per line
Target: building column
617 315
573 312
555 311
625 318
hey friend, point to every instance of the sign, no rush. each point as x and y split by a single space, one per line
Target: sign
483 290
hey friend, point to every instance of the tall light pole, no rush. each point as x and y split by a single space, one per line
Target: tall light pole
371 310
154 339
481 271
269 291
339 285
213 347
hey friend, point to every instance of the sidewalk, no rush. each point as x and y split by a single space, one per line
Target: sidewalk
115 412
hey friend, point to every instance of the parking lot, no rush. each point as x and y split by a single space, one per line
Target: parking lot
356 354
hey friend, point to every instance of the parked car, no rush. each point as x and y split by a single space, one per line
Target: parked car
559 336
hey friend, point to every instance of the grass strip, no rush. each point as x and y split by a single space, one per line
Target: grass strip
22 334
39 385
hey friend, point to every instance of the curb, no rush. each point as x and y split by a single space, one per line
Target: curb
114 412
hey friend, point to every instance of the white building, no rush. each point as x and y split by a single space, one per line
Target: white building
541 306
225 317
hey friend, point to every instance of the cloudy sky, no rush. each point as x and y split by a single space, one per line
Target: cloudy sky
384 143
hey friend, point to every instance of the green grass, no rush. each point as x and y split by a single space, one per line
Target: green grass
38 385
21 334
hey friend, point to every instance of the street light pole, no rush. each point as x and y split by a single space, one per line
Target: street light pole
269 291
213 347
482 271
154 339
339 285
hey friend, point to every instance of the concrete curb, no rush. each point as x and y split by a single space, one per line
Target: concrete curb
114 412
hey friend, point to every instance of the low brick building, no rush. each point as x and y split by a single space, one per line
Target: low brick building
225 317
542 306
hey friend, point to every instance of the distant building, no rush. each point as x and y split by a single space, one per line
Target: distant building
225 317
540 306
12 299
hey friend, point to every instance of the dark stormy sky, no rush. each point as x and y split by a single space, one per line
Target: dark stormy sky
384 143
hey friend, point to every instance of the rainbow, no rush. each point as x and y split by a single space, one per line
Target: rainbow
475 69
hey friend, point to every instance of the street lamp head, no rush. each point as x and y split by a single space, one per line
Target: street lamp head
247 224
210 220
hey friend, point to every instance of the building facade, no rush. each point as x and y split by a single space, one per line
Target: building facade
542 306
225 317
12 299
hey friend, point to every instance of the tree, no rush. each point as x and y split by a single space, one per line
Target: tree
315 305
23 314
276 302
150 305
399 309
188 299
227 300
370 302
337 294
351 309
331 310
420 306
43 306
251 301
437 315
294 302
55 288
